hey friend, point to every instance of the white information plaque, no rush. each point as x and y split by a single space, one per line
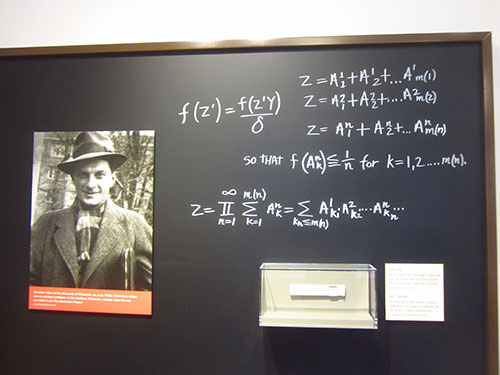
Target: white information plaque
414 292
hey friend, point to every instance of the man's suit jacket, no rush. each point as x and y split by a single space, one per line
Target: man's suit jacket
53 260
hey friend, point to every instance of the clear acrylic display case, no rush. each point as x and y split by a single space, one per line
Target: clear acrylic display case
318 295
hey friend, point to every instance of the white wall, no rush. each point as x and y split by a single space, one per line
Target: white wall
63 22
72 22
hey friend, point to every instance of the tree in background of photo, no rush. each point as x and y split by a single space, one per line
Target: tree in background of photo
135 178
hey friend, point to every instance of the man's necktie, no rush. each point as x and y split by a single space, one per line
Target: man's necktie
87 222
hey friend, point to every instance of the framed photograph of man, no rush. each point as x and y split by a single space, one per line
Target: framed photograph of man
91 221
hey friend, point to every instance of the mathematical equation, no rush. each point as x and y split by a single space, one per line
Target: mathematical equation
320 162
371 77
253 206
255 107
369 99
388 128
375 79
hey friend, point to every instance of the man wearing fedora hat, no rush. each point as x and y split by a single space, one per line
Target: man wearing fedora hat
94 243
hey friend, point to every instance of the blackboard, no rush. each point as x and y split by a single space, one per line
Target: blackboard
374 149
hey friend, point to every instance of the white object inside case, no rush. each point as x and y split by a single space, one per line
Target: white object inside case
332 295
317 290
